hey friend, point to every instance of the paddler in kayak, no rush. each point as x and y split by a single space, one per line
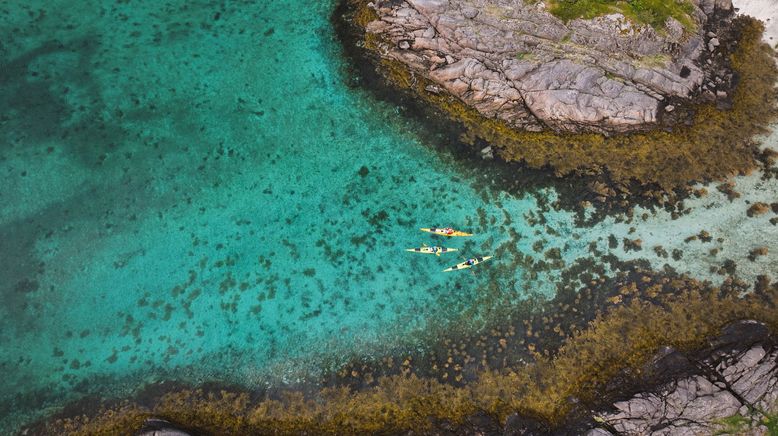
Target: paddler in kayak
469 263
447 231
436 250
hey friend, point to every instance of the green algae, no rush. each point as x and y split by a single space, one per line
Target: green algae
652 12
747 424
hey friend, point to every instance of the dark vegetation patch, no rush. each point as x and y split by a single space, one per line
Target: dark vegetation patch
26 285
660 251
757 252
632 244
757 209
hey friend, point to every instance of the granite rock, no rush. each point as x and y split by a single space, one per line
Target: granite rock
738 374
514 61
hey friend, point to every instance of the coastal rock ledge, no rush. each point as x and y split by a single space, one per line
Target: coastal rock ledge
730 388
515 61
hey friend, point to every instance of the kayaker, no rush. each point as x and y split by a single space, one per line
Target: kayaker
449 231
470 262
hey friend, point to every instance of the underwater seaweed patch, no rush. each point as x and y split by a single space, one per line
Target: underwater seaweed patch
671 311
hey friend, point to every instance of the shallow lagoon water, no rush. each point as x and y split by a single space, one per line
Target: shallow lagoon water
191 191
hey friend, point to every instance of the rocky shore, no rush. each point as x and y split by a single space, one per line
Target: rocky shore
667 340
516 62
645 111
730 387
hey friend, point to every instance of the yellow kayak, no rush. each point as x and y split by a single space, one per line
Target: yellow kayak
469 263
431 250
448 231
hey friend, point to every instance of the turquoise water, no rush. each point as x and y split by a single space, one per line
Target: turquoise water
191 191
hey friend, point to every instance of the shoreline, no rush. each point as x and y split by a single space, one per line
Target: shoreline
580 187
656 167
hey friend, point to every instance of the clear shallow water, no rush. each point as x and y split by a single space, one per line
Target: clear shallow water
190 191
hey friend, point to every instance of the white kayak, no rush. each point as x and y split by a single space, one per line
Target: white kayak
431 250
468 263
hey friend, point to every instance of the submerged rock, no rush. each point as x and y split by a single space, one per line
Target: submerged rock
757 252
516 62
487 152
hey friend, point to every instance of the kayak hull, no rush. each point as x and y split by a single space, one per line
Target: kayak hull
464 265
442 232
428 250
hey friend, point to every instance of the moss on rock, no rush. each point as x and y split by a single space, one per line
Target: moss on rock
652 12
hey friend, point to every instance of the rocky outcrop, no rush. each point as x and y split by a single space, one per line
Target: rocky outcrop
737 375
514 61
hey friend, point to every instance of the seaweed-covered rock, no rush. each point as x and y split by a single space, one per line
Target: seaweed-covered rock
517 425
757 252
757 209
516 62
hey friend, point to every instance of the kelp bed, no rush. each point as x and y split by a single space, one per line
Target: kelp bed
650 314
717 143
